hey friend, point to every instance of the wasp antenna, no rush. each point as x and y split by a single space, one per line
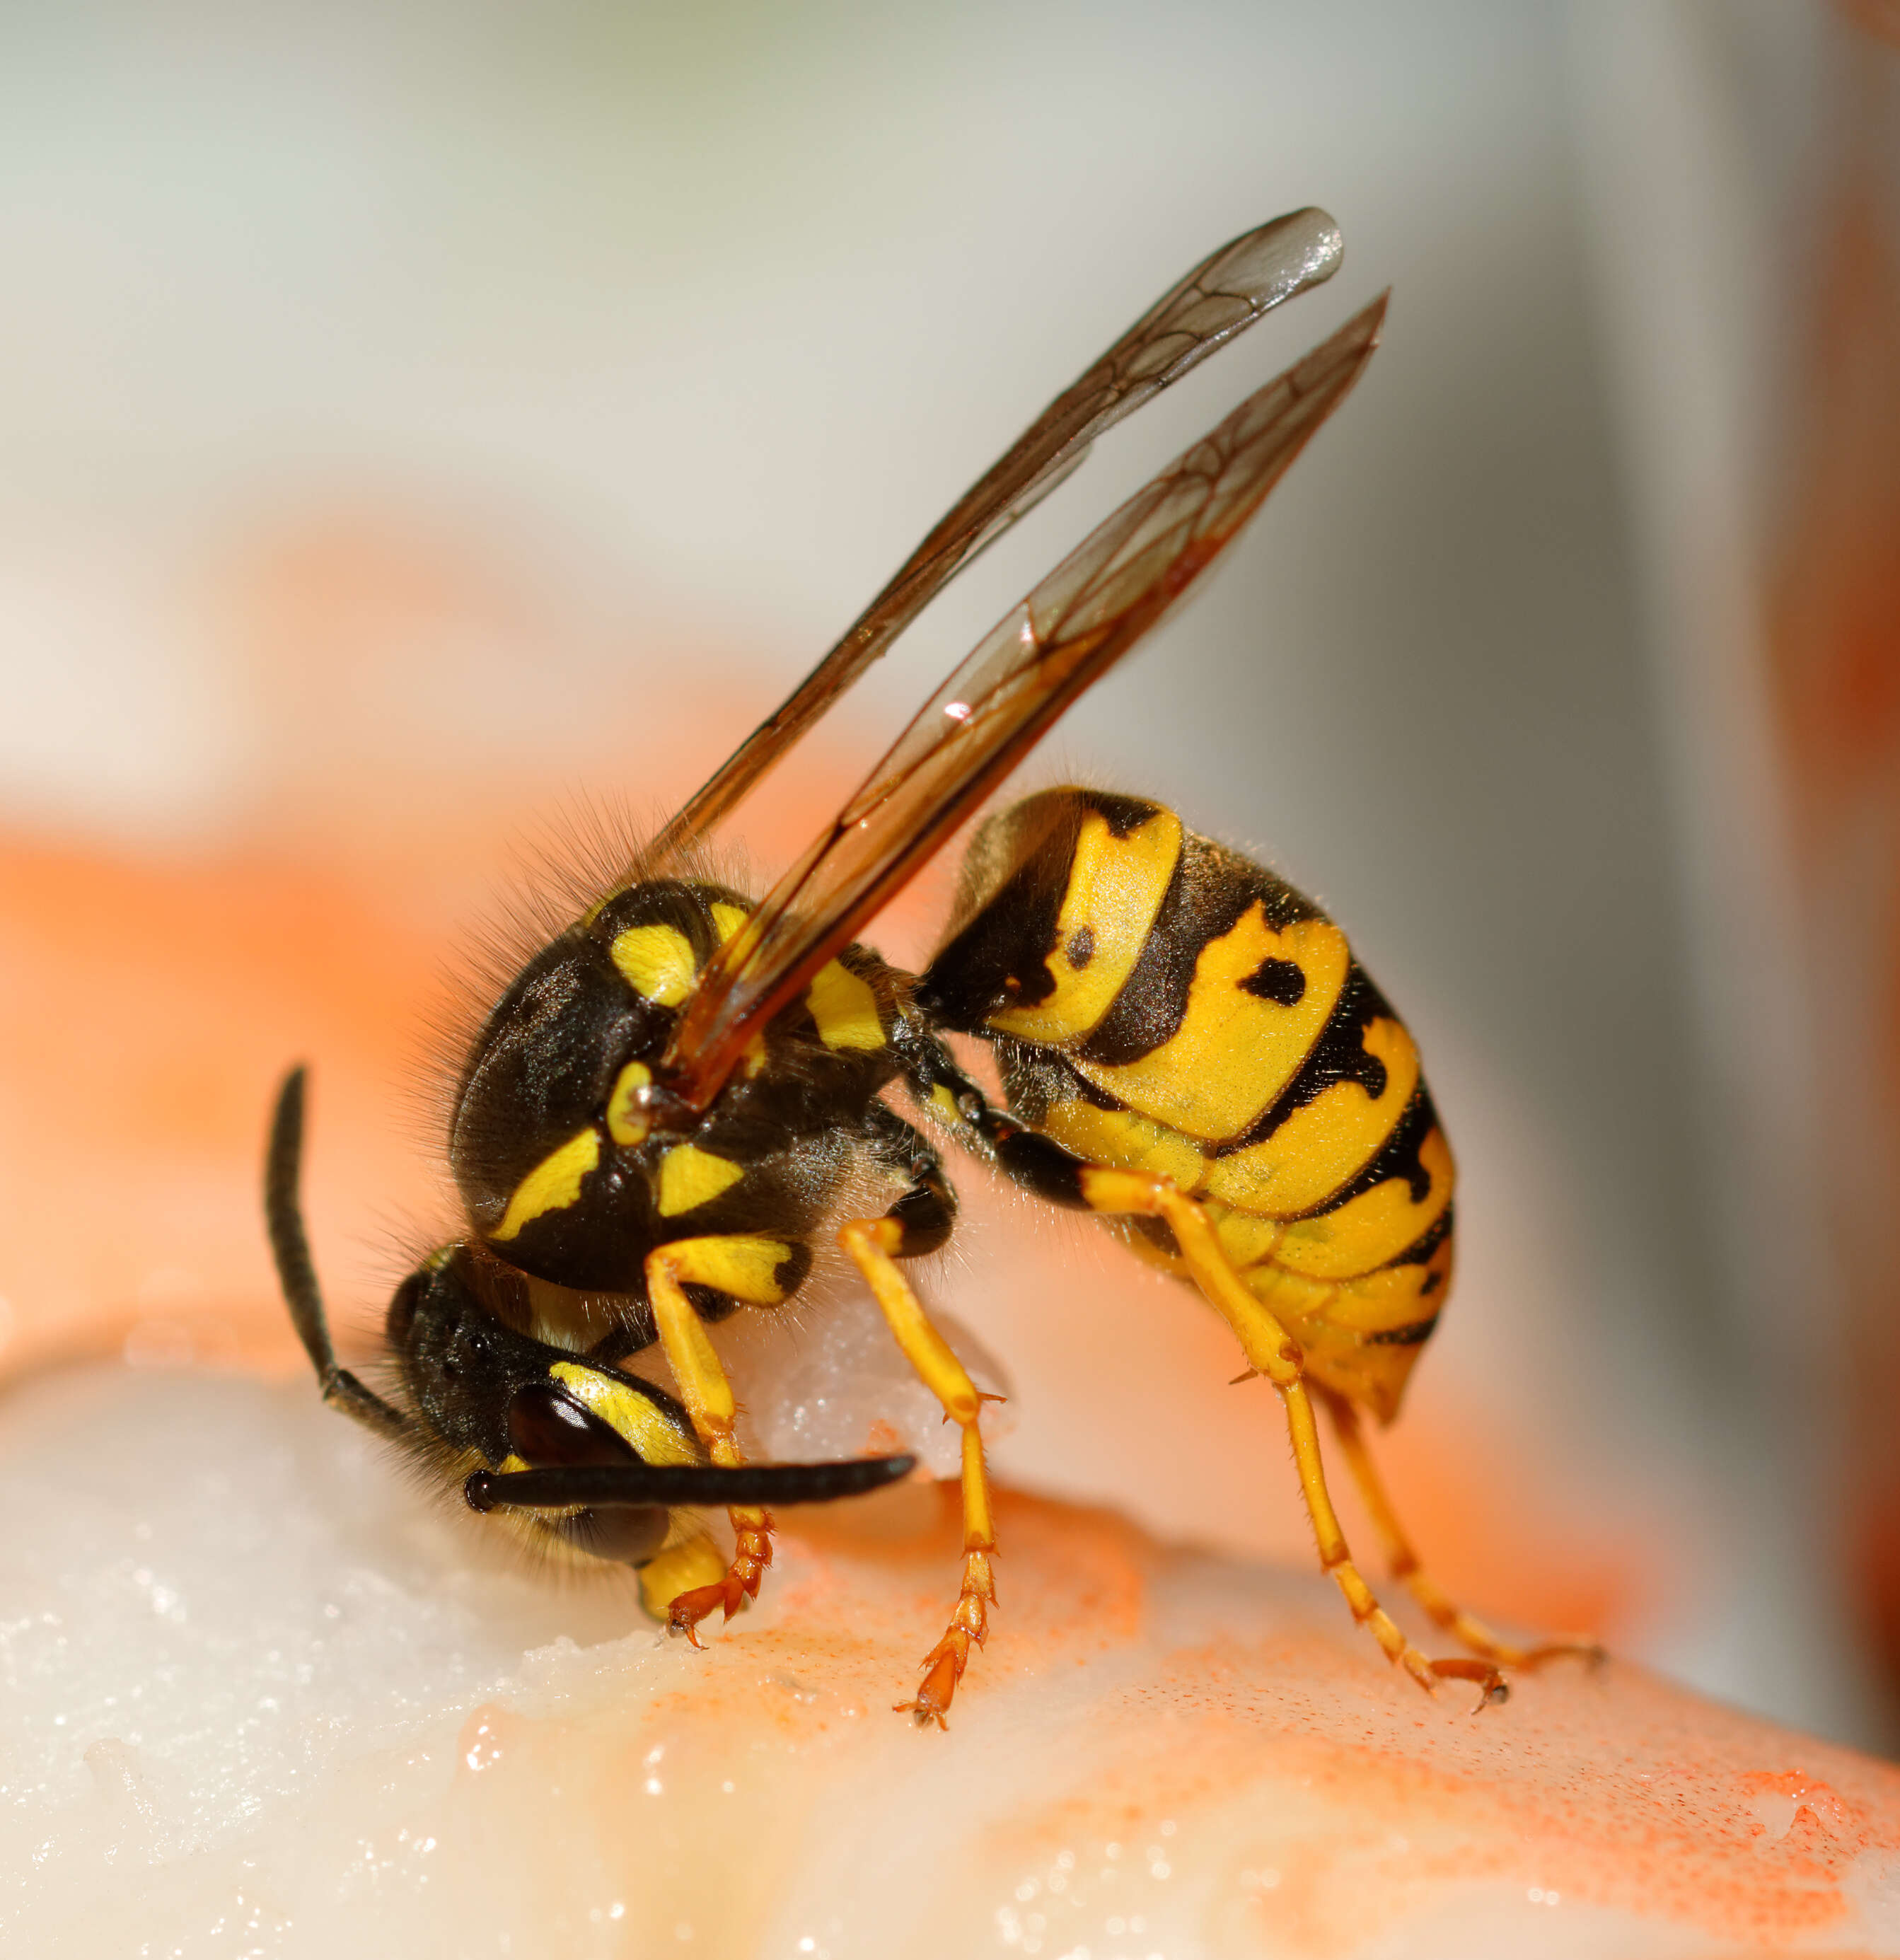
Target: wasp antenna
297 1271
284 1218
605 1486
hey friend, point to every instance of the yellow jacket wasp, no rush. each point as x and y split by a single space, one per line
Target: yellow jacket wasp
666 1109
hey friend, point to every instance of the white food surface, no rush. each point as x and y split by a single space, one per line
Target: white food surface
261 1698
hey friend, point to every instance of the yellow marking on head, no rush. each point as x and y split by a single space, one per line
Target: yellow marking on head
1121 1138
626 1122
553 1185
655 1436
690 1177
1115 890
1325 1144
844 1008
1234 1051
1362 1234
694 1561
735 1263
656 962
728 919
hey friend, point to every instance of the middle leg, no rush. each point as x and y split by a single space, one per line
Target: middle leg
918 1223
1403 1562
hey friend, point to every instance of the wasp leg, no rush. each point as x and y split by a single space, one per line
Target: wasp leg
1272 1351
918 1223
707 1394
1041 1166
1405 1565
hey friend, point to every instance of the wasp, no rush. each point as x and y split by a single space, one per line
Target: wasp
690 1088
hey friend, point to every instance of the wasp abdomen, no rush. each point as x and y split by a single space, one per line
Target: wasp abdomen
1158 1002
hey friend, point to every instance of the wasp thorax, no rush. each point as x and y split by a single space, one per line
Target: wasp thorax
541 1069
555 1137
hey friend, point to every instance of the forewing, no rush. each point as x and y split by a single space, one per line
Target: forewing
1090 612
1224 295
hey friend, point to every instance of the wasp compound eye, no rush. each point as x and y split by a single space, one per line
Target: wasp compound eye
629 1536
400 1322
550 1430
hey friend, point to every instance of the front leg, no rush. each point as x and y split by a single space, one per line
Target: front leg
707 1394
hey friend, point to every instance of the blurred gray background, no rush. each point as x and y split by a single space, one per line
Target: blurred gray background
695 317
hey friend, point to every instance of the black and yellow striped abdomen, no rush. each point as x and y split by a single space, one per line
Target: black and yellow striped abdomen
1159 1002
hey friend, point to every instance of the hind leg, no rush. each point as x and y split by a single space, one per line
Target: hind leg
1041 1166
1272 1352
1404 1562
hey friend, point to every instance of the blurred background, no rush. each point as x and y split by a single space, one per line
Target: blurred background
420 427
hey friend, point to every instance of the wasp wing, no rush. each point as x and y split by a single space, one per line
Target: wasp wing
1224 295
1090 612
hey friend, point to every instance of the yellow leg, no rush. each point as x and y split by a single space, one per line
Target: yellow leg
871 1243
708 1395
1403 1561
1272 1352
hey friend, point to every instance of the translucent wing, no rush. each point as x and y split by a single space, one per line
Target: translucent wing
1071 630
1223 294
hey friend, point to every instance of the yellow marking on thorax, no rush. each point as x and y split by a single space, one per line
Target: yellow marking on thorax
626 1122
1122 1138
690 1177
728 919
737 1263
1115 890
1233 1051
1376 1226
637 1418
1325 1143
844 1008
553 1185
656 962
